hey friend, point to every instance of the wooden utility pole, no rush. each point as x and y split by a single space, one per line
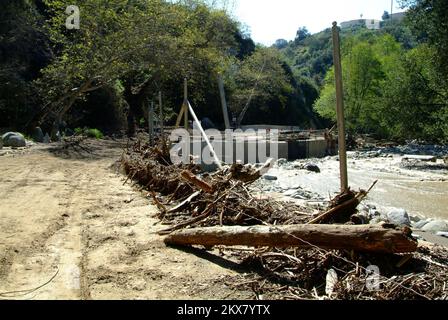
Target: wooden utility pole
186 125
184 110
222 93
340 107
162 127
151 123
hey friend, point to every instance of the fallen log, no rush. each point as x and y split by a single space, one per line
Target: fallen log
379 239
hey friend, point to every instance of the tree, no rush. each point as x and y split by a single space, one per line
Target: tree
365 65
429 18
142 43
260 86
281 44
301 35
386 16
24 51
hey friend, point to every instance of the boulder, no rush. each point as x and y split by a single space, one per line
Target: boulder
436 226
399 217
312 167
46 138
38 135
14 140
419 225
1 143
270 177
442 234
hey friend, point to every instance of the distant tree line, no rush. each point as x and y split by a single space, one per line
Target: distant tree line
396 82
105 73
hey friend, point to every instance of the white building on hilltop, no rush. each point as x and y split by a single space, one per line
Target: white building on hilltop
371 24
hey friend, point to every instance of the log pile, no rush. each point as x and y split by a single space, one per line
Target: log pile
194 199
291 248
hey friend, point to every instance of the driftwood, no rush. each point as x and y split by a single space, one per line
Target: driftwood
181 206
201 184
343 207
247 173
378 239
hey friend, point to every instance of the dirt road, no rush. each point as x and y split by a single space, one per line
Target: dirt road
65 213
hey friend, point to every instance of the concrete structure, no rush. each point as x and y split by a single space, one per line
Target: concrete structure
371 24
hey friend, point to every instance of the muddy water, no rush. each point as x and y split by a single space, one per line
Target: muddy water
420 193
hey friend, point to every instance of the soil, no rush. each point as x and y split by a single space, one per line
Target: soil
67 216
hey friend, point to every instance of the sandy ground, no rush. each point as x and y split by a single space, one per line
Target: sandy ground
68 214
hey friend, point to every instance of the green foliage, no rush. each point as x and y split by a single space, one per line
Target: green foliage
23 51
388 91
88 132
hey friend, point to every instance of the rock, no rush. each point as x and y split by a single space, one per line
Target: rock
69 132
374 214
415 219
312 167
46 138
399 217
281 162
1 143
377 220
14 140
417 236
420 158
290 193
420 224
359 219
442 234
38 135
270 177
436 226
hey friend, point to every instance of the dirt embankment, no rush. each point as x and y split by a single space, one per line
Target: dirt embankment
64 213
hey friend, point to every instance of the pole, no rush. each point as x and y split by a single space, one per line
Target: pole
340 107
207 140
162 127
151 123
185 106
222 93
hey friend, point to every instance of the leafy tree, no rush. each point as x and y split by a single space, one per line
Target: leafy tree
259 81
281 44
301 35
23 52
364 74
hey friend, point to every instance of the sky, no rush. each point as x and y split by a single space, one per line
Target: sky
269 20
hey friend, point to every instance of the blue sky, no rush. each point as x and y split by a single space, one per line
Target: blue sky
269 20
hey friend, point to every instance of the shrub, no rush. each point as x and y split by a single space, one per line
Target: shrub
91 133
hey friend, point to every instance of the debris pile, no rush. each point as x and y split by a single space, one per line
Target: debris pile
299 253
192 198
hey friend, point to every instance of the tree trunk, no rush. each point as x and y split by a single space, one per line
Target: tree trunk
338 237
